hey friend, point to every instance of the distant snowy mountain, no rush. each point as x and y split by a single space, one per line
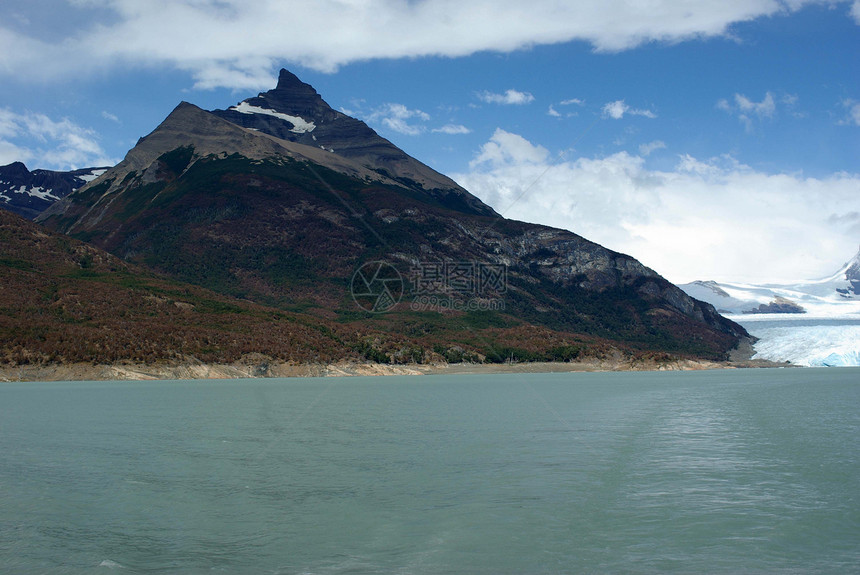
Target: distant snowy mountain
833 296
30 193
811 323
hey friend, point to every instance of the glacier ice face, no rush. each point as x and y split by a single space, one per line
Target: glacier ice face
851 358
815 343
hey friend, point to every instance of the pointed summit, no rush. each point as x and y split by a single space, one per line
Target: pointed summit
294 111
287 81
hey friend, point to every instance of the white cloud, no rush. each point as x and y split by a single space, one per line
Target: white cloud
9 153
853 116
615 109
747 110
510 97
505 148
764 109
453 129
48 143
571 102
112 117
210 39
648 149
9 123
855 11
705 219
398 118
618 109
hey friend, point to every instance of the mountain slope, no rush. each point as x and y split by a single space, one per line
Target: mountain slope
29 193
64 301
255 212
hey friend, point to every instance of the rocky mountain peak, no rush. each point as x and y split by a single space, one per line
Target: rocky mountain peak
295 112
852 274
289 82
292 98
16 169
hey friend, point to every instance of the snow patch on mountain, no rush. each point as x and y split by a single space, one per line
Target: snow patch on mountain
300 126
39 192
92 175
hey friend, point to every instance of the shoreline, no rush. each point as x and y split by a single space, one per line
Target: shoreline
275 370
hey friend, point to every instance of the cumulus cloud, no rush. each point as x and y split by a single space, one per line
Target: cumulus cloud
510 97
209 38
9 153
570 102
712 218
399 118
453 129
853 116
618 109
57 144
747 110
651 147
506 148
764 109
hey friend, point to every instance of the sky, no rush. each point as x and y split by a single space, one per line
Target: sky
709 139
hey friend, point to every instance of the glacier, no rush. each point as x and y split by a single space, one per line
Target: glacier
811 342
819 323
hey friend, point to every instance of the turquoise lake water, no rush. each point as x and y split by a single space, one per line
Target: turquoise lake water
728 471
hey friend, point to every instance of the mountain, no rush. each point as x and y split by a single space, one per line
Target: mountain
30 193
838 294
285 202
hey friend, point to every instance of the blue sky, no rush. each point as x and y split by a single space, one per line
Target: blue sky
711 140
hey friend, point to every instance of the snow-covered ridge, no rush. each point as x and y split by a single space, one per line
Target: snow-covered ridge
300 126
818 299
835 296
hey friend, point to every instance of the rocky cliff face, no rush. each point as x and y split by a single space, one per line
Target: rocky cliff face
281 200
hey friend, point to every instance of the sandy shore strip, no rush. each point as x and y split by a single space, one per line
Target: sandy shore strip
274 369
